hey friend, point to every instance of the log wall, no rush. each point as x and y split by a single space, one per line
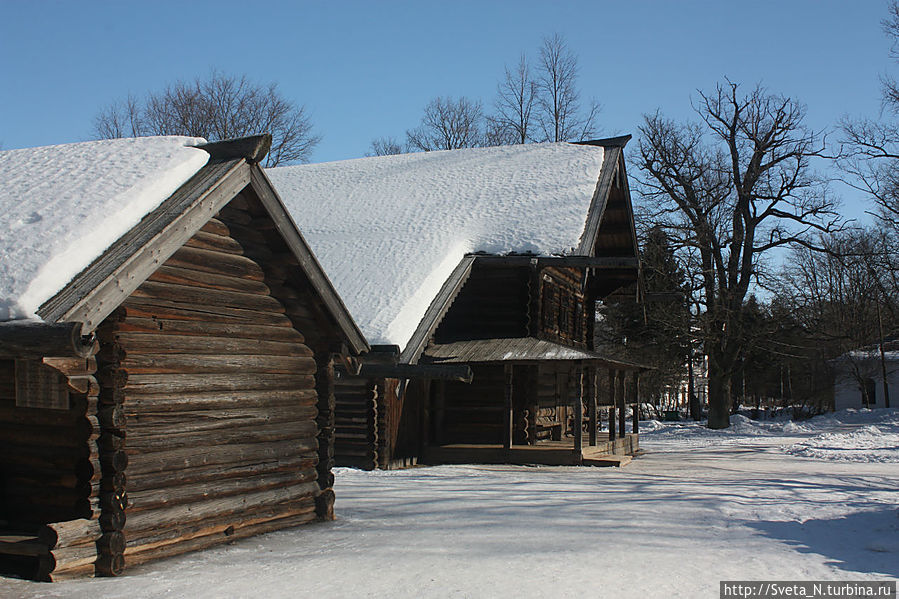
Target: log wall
210 395
356 422
49 476
493 303
564 313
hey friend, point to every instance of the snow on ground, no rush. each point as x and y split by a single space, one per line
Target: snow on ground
62 206
389 230
688 513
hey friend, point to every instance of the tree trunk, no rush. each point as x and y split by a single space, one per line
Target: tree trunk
719 397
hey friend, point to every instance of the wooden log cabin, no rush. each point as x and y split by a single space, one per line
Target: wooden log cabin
476 273
173 389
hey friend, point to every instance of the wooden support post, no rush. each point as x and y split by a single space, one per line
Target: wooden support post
635 398
613 397
578 426
439 390
424 415
622 410
508 421
592 380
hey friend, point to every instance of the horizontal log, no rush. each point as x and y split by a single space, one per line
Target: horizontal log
284 332
195 383
192 493
22 545
69 558
40 459
34 339
181 310
208 297
219 400
159 344
225 455
215 243
41 417
221 507
139 363
216 535
73 532
19 435
215 226
216 262
217 472
303 432
165 424
73 572
207 280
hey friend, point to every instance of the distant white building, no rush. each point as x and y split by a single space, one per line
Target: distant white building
858 377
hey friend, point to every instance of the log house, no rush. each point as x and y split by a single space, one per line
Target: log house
179 392
520 322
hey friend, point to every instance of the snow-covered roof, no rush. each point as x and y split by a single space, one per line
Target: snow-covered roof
62 206
389 230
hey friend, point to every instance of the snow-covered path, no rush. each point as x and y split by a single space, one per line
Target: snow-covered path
697 508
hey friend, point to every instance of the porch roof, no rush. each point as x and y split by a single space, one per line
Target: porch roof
521 350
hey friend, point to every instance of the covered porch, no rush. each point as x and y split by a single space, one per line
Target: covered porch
532 401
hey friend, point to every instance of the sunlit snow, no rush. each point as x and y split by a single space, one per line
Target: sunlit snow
389 230
62 206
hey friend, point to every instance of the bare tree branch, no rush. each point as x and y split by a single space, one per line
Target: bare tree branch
218 107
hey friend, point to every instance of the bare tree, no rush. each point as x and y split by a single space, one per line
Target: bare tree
385 146
871 153
516 97
448 124
734 188
560 116
218 107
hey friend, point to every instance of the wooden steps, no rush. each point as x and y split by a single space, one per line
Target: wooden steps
606 460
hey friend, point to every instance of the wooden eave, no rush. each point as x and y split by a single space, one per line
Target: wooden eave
522 350
436 310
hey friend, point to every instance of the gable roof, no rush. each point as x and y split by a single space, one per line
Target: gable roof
53 199
391 229
138 236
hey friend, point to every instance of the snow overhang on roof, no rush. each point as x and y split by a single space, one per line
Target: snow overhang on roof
389 230
62 206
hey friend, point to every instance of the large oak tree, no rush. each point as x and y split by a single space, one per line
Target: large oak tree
733 187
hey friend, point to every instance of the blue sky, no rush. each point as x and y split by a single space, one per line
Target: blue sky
366 69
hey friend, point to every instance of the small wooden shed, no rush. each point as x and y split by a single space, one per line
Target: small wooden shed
488 259
176 391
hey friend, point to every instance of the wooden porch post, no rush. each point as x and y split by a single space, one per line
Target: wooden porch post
439 409
622 410
613 396
592 381
635 398
579 414
508 422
